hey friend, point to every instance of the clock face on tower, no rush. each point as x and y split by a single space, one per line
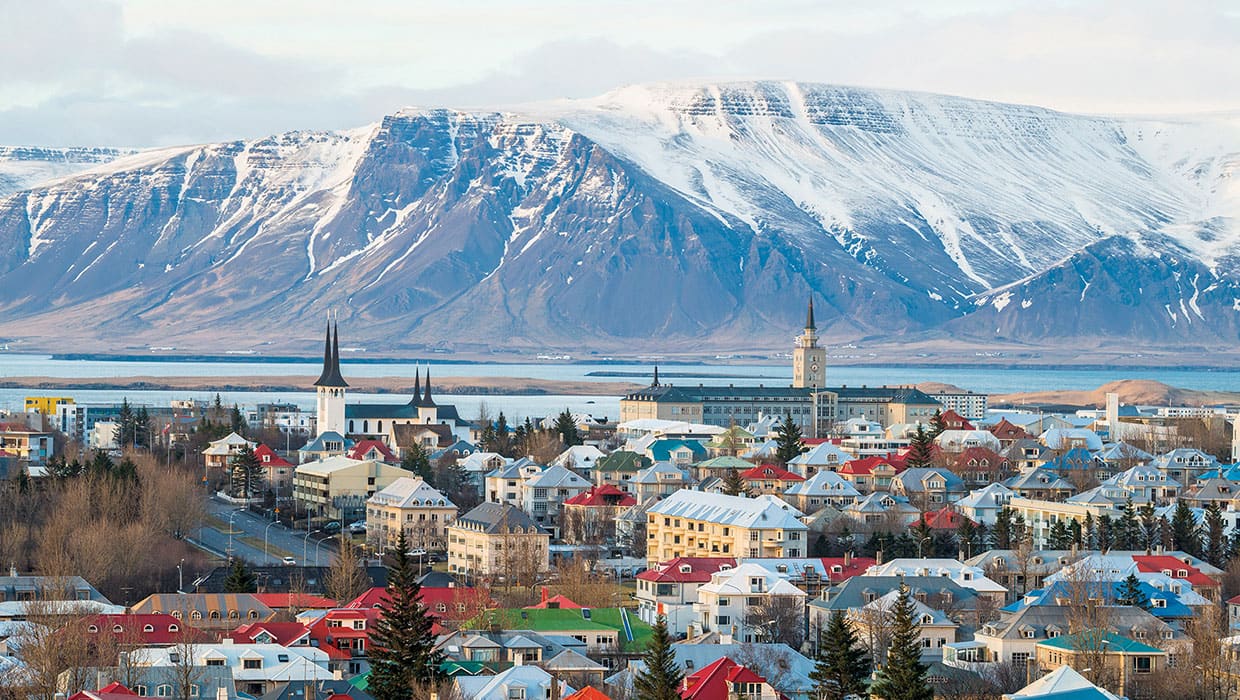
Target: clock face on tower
814 368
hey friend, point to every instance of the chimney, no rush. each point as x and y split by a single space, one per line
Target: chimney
878 558
847 559
544 594
555 688
689 632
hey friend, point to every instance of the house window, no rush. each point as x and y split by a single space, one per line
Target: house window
215 662
163 690
1143 664
251 664
141 690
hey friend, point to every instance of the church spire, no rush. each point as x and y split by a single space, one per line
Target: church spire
417 384
325 375
656 376
337 378
427 400
330 376
809 319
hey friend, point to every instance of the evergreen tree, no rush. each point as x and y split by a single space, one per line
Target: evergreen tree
904 675
126 470
787 440
1105 530
100 463
1150 538
937 425
486 440
416 460
966 536
240 579
567 428
733 484
503 440
661 678
1089 534
842 668
1126 531
1184 534
1074 530
1215 544
1130 593
403 647
236 420
1001 533
1164 533
1059 537
921 449
125 425
142 428
246 474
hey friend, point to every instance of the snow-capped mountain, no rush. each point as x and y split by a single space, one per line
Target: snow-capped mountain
24 167
673 215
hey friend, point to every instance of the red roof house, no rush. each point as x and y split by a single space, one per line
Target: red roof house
605 495
268 457
287 634
555 601
686 569
944 519
955 421
143 629
445 603
111 691
372 449
1176 568
301 601
1009 432
845 567
768 478
725 679
343 633
588 693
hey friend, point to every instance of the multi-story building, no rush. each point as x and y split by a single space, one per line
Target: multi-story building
217 456
824 488
337 488
659 481
256 668
696 524
288 418
33 447
1040 516
543 494
497 539
671 589
412 505
47 405
966 403
728 602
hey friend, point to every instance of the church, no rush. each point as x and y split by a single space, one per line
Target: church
397 425
812 405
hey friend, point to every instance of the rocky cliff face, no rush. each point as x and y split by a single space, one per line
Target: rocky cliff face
655 217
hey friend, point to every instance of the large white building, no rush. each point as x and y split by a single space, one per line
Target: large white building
723 603
697 524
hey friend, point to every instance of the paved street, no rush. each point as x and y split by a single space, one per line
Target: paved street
247 538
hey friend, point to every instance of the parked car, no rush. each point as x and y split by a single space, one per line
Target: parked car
417 553
333 526
289 561
357 527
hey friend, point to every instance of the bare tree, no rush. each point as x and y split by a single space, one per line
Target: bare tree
346 579
873 625
1090 612
778 619
184 672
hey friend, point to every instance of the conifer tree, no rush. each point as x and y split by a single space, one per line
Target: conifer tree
125 425
937 424
1105 531
1149 535
402 654
567 428
1215 544
246 473
1089 533
921 449
1001 533
904 675
1127 530
1184 534
503 440
240 579
733 484
661 678
236 420
842 668
1074 532
787 441
141 428
1059 537
1130 593
417 461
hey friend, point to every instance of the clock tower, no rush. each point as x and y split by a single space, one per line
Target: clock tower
809 362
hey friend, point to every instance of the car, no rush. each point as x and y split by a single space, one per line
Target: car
437 557
289 561
417 552
357 527
333 526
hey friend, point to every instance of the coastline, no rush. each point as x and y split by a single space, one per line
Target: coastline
448 386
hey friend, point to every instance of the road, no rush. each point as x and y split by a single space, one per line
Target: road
247 538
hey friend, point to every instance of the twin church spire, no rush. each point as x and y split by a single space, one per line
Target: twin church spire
331 377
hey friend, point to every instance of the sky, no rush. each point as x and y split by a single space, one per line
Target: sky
161 72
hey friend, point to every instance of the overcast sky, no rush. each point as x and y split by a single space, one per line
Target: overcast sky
154 72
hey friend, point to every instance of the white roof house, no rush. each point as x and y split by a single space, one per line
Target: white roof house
825 484
265 663
983 505
327 466
410 492
819 457
744 580
659 426
972 577
1062 680
580 457
517 682
764 512
227 445
1068 438
961 440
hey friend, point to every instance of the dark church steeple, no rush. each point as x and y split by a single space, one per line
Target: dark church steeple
655 382
330 376
427 400
809 319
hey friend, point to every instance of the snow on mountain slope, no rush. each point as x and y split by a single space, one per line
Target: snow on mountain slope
674 214
24 167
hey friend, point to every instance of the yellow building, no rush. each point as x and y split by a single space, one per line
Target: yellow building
46 405
1117 663
697 524
337 488
497 539
413 505
1040 516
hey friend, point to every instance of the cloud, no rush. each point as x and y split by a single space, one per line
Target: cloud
161 72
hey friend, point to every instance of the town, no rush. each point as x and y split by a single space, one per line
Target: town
754 542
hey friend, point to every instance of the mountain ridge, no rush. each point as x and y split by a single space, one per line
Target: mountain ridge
678 216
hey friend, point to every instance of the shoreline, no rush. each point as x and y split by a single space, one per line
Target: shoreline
446 386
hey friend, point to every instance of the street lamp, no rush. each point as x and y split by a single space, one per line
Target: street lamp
920 543
317 544
273 522
181 577
305 541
